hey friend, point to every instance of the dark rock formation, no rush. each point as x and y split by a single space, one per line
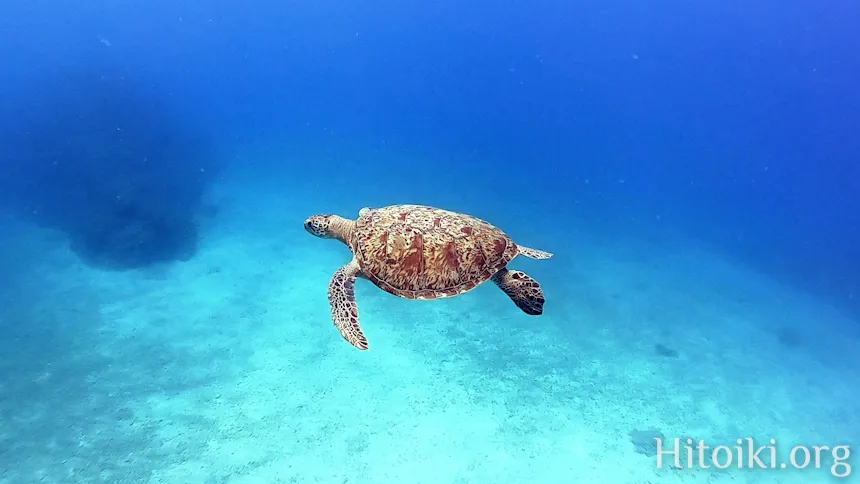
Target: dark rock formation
101 157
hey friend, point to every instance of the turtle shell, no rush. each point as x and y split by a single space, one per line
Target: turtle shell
420 252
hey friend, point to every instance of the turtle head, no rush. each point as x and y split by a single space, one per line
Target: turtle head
320 226
331 227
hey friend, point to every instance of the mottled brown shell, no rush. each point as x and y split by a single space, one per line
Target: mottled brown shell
421 252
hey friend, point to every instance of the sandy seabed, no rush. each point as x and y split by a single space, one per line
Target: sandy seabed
227 369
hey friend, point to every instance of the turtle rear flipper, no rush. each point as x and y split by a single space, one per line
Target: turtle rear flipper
533 253
344 310
524 291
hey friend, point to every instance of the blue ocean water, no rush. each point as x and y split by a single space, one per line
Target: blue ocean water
692 166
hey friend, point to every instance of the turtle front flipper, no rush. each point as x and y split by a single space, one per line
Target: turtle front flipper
344 310
522 289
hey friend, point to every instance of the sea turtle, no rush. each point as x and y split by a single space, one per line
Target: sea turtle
421 252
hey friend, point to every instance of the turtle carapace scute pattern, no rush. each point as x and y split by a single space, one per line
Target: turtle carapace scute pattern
421 252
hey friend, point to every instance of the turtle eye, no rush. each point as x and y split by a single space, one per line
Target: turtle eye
312 225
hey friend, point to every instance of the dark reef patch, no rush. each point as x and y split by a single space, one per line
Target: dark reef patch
101 156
